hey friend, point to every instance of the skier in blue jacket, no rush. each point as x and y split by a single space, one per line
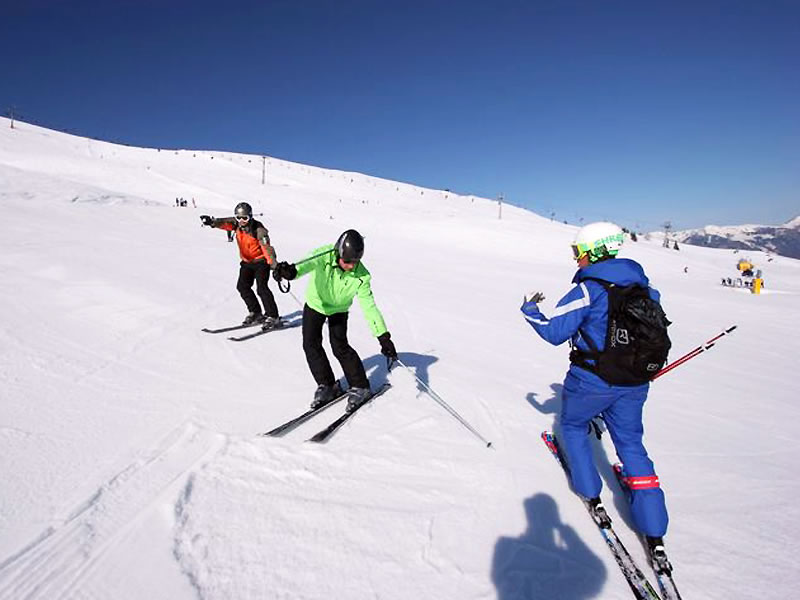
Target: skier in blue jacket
584 311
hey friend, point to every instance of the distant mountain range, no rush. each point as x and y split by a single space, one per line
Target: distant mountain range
780 239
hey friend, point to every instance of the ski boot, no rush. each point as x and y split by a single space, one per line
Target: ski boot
356 396
252 318
599 513
271 323
658 556
326 393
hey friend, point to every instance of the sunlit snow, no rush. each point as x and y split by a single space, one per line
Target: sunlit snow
131 466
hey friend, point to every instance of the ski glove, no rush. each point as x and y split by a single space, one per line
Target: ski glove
284 270
387 347
206 220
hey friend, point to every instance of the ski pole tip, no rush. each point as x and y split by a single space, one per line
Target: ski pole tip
489 444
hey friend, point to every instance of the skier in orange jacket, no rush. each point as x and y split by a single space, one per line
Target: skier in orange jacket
258 258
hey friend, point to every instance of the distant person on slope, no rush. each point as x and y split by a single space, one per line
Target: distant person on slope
337 276
581 316
258 257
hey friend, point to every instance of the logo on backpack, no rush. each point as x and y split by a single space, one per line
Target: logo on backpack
636 342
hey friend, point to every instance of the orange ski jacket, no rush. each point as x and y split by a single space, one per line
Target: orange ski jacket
253 240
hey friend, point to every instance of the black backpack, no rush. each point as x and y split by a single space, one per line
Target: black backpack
637 343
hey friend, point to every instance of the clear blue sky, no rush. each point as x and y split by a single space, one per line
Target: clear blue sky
635 111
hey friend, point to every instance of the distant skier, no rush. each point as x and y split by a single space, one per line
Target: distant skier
581 316
337 276
258 256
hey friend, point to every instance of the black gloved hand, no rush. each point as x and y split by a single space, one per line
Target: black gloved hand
387 347
206 220
284 270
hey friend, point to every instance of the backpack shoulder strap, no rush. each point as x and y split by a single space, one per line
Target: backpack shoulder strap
603 282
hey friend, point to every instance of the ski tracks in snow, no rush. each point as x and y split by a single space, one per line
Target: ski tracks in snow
274 519
71 558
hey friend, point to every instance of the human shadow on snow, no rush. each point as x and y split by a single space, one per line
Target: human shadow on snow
551 406
548 561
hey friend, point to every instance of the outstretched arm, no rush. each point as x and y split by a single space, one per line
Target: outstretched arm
315 259
567 317
226 223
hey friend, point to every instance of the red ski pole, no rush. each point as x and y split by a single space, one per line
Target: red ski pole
690 355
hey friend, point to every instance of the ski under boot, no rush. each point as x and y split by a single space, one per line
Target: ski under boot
356 396
271 323
325 393
252 318
658 556
599 513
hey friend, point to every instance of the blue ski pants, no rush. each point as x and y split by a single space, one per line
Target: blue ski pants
621 409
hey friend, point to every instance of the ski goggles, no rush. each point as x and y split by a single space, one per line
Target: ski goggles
353 261
242 218
579 251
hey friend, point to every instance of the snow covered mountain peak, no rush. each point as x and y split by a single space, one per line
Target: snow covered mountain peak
780 239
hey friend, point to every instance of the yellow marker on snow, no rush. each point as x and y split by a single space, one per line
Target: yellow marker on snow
757 285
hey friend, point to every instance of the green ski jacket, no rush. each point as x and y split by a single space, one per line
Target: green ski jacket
332 289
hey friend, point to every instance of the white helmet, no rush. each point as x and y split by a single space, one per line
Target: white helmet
597 240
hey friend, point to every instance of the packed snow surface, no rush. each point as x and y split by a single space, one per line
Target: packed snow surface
129 451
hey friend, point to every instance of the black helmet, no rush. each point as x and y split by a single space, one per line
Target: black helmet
350 246
243 209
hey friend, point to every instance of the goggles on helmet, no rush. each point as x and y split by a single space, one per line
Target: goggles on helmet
579 251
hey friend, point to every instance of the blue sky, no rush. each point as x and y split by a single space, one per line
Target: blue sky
639 112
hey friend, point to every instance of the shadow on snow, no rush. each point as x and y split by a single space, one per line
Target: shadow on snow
547 561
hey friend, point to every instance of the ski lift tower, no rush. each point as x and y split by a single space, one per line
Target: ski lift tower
667 226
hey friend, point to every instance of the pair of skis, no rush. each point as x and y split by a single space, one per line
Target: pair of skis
325 434
640 586
250 336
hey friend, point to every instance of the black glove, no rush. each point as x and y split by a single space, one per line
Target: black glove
387 347
284 270
206 220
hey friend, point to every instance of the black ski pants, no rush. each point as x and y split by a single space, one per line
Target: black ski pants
259 272
315 354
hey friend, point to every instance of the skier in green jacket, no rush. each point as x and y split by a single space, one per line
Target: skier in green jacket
337 276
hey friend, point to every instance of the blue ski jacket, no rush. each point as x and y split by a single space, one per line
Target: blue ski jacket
585 308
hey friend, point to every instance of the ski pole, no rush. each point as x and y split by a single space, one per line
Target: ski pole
690 355
300 262
444 405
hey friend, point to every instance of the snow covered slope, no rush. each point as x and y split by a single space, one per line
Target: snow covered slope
131 465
